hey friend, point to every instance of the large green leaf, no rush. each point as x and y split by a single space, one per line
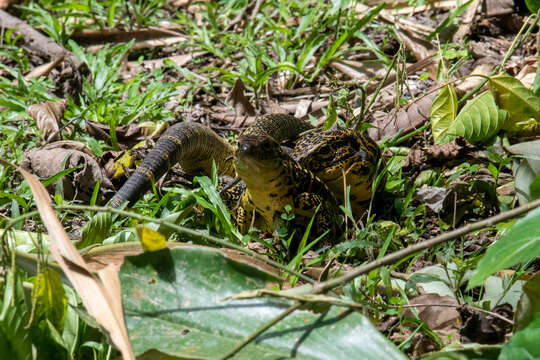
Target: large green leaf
527 169
15 341
51 300
518 245
443 111
524 343
479 120
176 301
529 303
512 96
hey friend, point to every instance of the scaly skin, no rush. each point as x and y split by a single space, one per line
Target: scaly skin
195 147
333 153
273 179
328 154
192 145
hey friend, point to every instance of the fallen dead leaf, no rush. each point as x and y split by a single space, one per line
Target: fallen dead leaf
46 162
101 294
239 100
47 116
406 119
433 197
439 313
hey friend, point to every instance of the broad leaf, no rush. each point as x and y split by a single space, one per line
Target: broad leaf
443 111
151 240
96 230
176 301
479 120
15 340
520 244
529 303
526 171
524 343
512 96
458 351
51 300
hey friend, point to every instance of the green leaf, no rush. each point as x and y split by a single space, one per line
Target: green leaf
479 120
512 96
51 300
535 187
217 206
458 351
527 169
532 5
96 230
176 301
520 244
443 111
15 340
524 343
529 303
331 114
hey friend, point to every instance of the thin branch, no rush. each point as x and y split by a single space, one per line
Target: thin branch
467 306
401 254
191 232
261 330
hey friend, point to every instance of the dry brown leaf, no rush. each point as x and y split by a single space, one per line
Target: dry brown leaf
439 313
303 108
101 294
70 144
46 162
239 100
499 7
433 197
47 116
127 135
4 4
406 119
43 70
473 81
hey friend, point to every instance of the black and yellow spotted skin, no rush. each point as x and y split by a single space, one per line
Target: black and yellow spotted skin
310 177
273 180
337 152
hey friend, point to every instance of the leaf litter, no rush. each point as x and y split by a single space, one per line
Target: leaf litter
459 189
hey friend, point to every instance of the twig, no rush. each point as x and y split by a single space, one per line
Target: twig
398 255
190 232
261 330
36 40
467 306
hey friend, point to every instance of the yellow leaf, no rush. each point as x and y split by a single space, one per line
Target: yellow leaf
151 240
51 298
124 162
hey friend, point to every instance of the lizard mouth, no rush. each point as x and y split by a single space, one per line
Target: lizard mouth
256 156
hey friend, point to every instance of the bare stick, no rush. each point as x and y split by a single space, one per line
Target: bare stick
36 41
398 255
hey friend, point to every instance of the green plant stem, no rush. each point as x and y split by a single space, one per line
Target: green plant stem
515 44
191 232
261 330
412 133
398 255
375 94
386 260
